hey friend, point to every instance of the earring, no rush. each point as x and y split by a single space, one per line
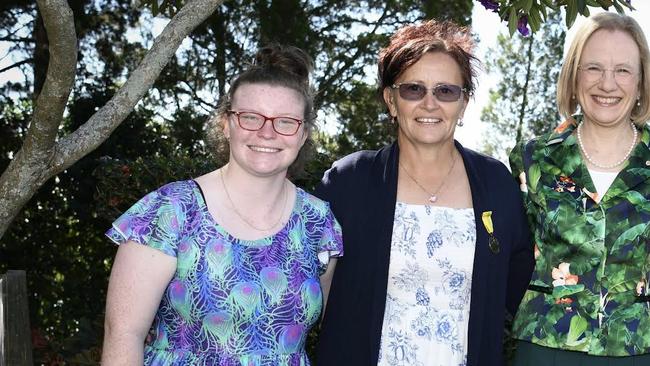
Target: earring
460 123
573 97
638 101
393 119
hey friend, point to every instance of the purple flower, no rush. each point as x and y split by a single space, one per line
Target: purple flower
490 5
522 26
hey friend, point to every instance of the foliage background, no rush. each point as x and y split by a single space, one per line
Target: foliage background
58 238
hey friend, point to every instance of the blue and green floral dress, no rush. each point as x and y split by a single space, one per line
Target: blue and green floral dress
231 301
589 290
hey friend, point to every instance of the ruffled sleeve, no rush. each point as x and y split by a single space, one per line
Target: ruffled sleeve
156 221
331 241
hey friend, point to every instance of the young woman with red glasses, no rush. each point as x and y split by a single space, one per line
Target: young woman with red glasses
224 269
437 244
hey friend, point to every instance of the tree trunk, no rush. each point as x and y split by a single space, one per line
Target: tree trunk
524 100
41 156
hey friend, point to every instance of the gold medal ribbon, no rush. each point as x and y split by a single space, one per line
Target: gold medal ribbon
493 243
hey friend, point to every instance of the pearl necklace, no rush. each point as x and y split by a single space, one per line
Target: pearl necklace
623 159
433 197
246 220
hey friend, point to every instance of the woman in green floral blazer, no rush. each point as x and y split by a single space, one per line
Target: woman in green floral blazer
586 188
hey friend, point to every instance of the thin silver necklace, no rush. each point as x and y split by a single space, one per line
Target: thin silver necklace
597 165
433 196
246 220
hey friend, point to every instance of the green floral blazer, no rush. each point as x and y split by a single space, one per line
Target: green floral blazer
589 289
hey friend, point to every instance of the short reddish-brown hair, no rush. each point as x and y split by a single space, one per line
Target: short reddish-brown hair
411 42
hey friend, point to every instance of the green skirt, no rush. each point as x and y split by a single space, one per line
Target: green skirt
530 354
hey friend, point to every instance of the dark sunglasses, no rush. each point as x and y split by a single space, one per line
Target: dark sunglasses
442 92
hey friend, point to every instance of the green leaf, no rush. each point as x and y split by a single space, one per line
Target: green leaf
542 12
576 329
635 198
629 235
512 21
534 174
571 13
582 5
534 20
527 5
564 291
621 286
619 8
605 3
627 5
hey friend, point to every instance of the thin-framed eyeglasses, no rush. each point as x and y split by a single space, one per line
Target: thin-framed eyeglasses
442 92
596 72
253 121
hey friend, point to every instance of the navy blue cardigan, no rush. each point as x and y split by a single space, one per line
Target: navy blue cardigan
362 191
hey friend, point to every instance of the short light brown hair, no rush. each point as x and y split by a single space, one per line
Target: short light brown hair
566 85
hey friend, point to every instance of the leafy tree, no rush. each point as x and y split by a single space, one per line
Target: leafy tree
42 154
151 115
523 103
58 236
522 14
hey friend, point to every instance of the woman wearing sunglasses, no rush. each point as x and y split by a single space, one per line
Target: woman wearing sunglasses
586 190
224 269
437 244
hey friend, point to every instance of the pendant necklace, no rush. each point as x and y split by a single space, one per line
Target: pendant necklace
246 220
589 158
433 196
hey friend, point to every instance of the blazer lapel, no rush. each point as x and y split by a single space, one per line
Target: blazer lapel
561 159
480 272
381 199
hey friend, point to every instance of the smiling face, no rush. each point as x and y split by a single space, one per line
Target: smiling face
428 121
264 152
608 100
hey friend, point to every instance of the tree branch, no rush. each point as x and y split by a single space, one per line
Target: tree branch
17 64
207 106
326 82
40 158
25 174
524 101
16 40
51 102
101 124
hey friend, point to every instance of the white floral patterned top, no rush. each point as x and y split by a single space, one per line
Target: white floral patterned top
429 283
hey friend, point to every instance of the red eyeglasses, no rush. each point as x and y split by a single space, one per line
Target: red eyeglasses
252 121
